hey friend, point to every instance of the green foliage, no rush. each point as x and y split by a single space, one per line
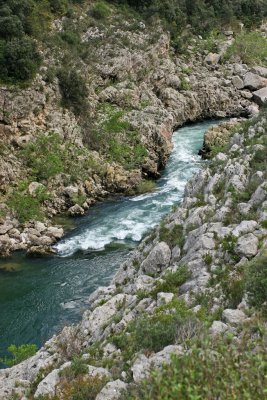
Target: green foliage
100 10
115 137
19 60
145 186
173 236
184 84
250 46
211 371
229 244
19 354
207 258
258 162
152 333
73 90
48 156
256 282
81 388
78 367
26 206
44 156
172 281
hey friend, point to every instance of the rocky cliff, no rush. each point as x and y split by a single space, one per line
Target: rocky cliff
195 275
63 155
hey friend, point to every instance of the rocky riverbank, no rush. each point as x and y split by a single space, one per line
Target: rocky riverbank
192 276
137 94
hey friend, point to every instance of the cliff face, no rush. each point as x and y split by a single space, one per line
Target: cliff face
135 92
195 275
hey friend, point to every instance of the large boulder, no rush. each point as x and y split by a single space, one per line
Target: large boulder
158 259
238 82
212 58
254 82
112 390
260 96
262 71
247 245
233 317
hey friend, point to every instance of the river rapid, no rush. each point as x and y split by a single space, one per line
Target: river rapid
38 296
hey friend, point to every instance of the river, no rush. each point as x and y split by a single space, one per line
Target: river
38 296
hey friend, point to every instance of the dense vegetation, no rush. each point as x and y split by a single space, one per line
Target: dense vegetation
24 23
212 371
202 15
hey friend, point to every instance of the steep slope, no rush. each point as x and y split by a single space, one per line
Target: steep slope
199 275
99 116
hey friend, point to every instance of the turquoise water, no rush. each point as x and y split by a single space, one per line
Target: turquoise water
38 296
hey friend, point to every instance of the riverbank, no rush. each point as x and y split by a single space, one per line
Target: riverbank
54 162
90 254
182 282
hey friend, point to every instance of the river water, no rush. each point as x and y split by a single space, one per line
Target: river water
38 296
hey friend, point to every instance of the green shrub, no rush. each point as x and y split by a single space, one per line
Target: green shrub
25 206
73 90
172 281
82 388
19 60
72 38
172 236
152 333
256 281
19 354
44 156
78 367
145 186
228 244
250 46
217 371
100 10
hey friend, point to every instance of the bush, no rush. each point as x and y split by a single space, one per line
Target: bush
251 47
172 281
219 371
82 388
100 10
44 156
25 206
256 281
153 333
145 186
172 236
78 367
19 354
19 60
73 90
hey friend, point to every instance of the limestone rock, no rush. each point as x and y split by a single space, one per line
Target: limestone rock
212 58
47 387
164 298
217 328
260 96
158 259
247 245
238 82
233 317
254 82
76 210
112 390
34 187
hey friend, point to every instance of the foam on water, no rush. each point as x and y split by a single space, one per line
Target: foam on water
40 295
130 219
